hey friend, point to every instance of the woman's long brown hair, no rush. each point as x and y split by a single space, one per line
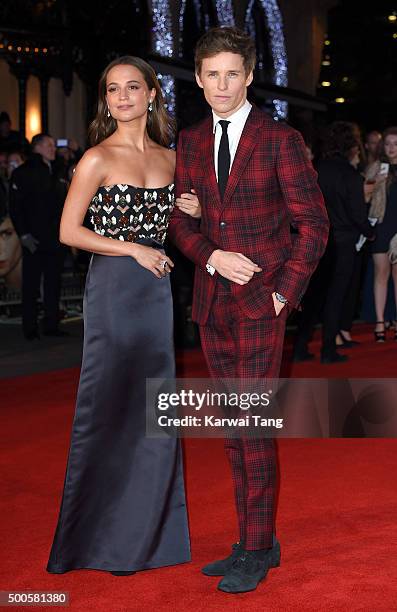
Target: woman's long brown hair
392 175
160 126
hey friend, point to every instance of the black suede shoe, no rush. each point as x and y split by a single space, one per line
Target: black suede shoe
219 568
247 571
122 573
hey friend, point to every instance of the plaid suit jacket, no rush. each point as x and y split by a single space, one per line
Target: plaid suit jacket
271 186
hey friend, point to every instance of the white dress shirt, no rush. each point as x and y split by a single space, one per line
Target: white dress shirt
234 131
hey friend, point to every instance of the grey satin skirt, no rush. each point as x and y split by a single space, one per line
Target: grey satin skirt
123 505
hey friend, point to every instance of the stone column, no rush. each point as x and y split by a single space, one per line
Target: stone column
44 80
21 71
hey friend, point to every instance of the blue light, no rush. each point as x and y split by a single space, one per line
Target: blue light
182 9
224 11
163 44
275 27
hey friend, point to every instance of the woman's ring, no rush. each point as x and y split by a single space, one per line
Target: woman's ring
164 264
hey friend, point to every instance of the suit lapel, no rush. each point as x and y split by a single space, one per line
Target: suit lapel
248 141
207 153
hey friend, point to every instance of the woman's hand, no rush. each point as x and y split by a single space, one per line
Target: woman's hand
153 260
189 204
371 184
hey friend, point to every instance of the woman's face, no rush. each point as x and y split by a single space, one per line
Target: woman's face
127 93
14 161
10 247
391 148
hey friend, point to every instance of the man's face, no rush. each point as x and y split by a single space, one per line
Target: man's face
14 161
354 156
10 247
224 82
46 148
372 142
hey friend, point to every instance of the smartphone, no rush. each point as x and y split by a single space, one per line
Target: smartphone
384 169
62 142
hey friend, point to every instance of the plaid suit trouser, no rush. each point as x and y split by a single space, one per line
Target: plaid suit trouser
238 347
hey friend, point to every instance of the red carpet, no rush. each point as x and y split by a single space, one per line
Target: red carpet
368 360
336 516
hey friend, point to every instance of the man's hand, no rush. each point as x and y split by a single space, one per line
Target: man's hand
278 306
29 242
233 266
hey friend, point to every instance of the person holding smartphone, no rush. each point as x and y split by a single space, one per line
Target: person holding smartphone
343 190
384 208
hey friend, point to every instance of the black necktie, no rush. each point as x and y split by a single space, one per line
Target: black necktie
223 158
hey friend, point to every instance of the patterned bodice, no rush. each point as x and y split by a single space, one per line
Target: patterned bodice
129 213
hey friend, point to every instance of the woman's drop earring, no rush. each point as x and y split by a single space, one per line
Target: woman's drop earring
150 107
108 112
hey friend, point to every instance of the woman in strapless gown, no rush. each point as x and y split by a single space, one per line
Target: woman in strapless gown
123 507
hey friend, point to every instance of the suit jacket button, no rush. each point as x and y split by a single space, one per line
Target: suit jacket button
223 224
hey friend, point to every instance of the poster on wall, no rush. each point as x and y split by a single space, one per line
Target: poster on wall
10 257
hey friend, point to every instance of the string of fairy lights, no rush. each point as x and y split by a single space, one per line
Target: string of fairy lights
275 27
24 49
224 12
164 44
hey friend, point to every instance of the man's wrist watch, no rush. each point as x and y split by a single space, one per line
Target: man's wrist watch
281 298
210 269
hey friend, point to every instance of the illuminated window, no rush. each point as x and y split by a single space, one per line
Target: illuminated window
33 107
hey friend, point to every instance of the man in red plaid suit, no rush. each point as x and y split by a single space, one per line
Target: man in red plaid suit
253 181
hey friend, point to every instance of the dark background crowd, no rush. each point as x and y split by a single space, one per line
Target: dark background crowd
321 63
34 179
356 278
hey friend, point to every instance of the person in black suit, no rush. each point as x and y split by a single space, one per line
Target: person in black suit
343 189
36 202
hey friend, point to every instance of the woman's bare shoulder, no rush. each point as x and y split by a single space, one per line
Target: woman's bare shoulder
93 164
169 155
93 156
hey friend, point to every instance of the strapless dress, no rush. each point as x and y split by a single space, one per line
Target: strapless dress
123 505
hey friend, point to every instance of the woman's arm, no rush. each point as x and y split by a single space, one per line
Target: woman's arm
86 180
189 204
